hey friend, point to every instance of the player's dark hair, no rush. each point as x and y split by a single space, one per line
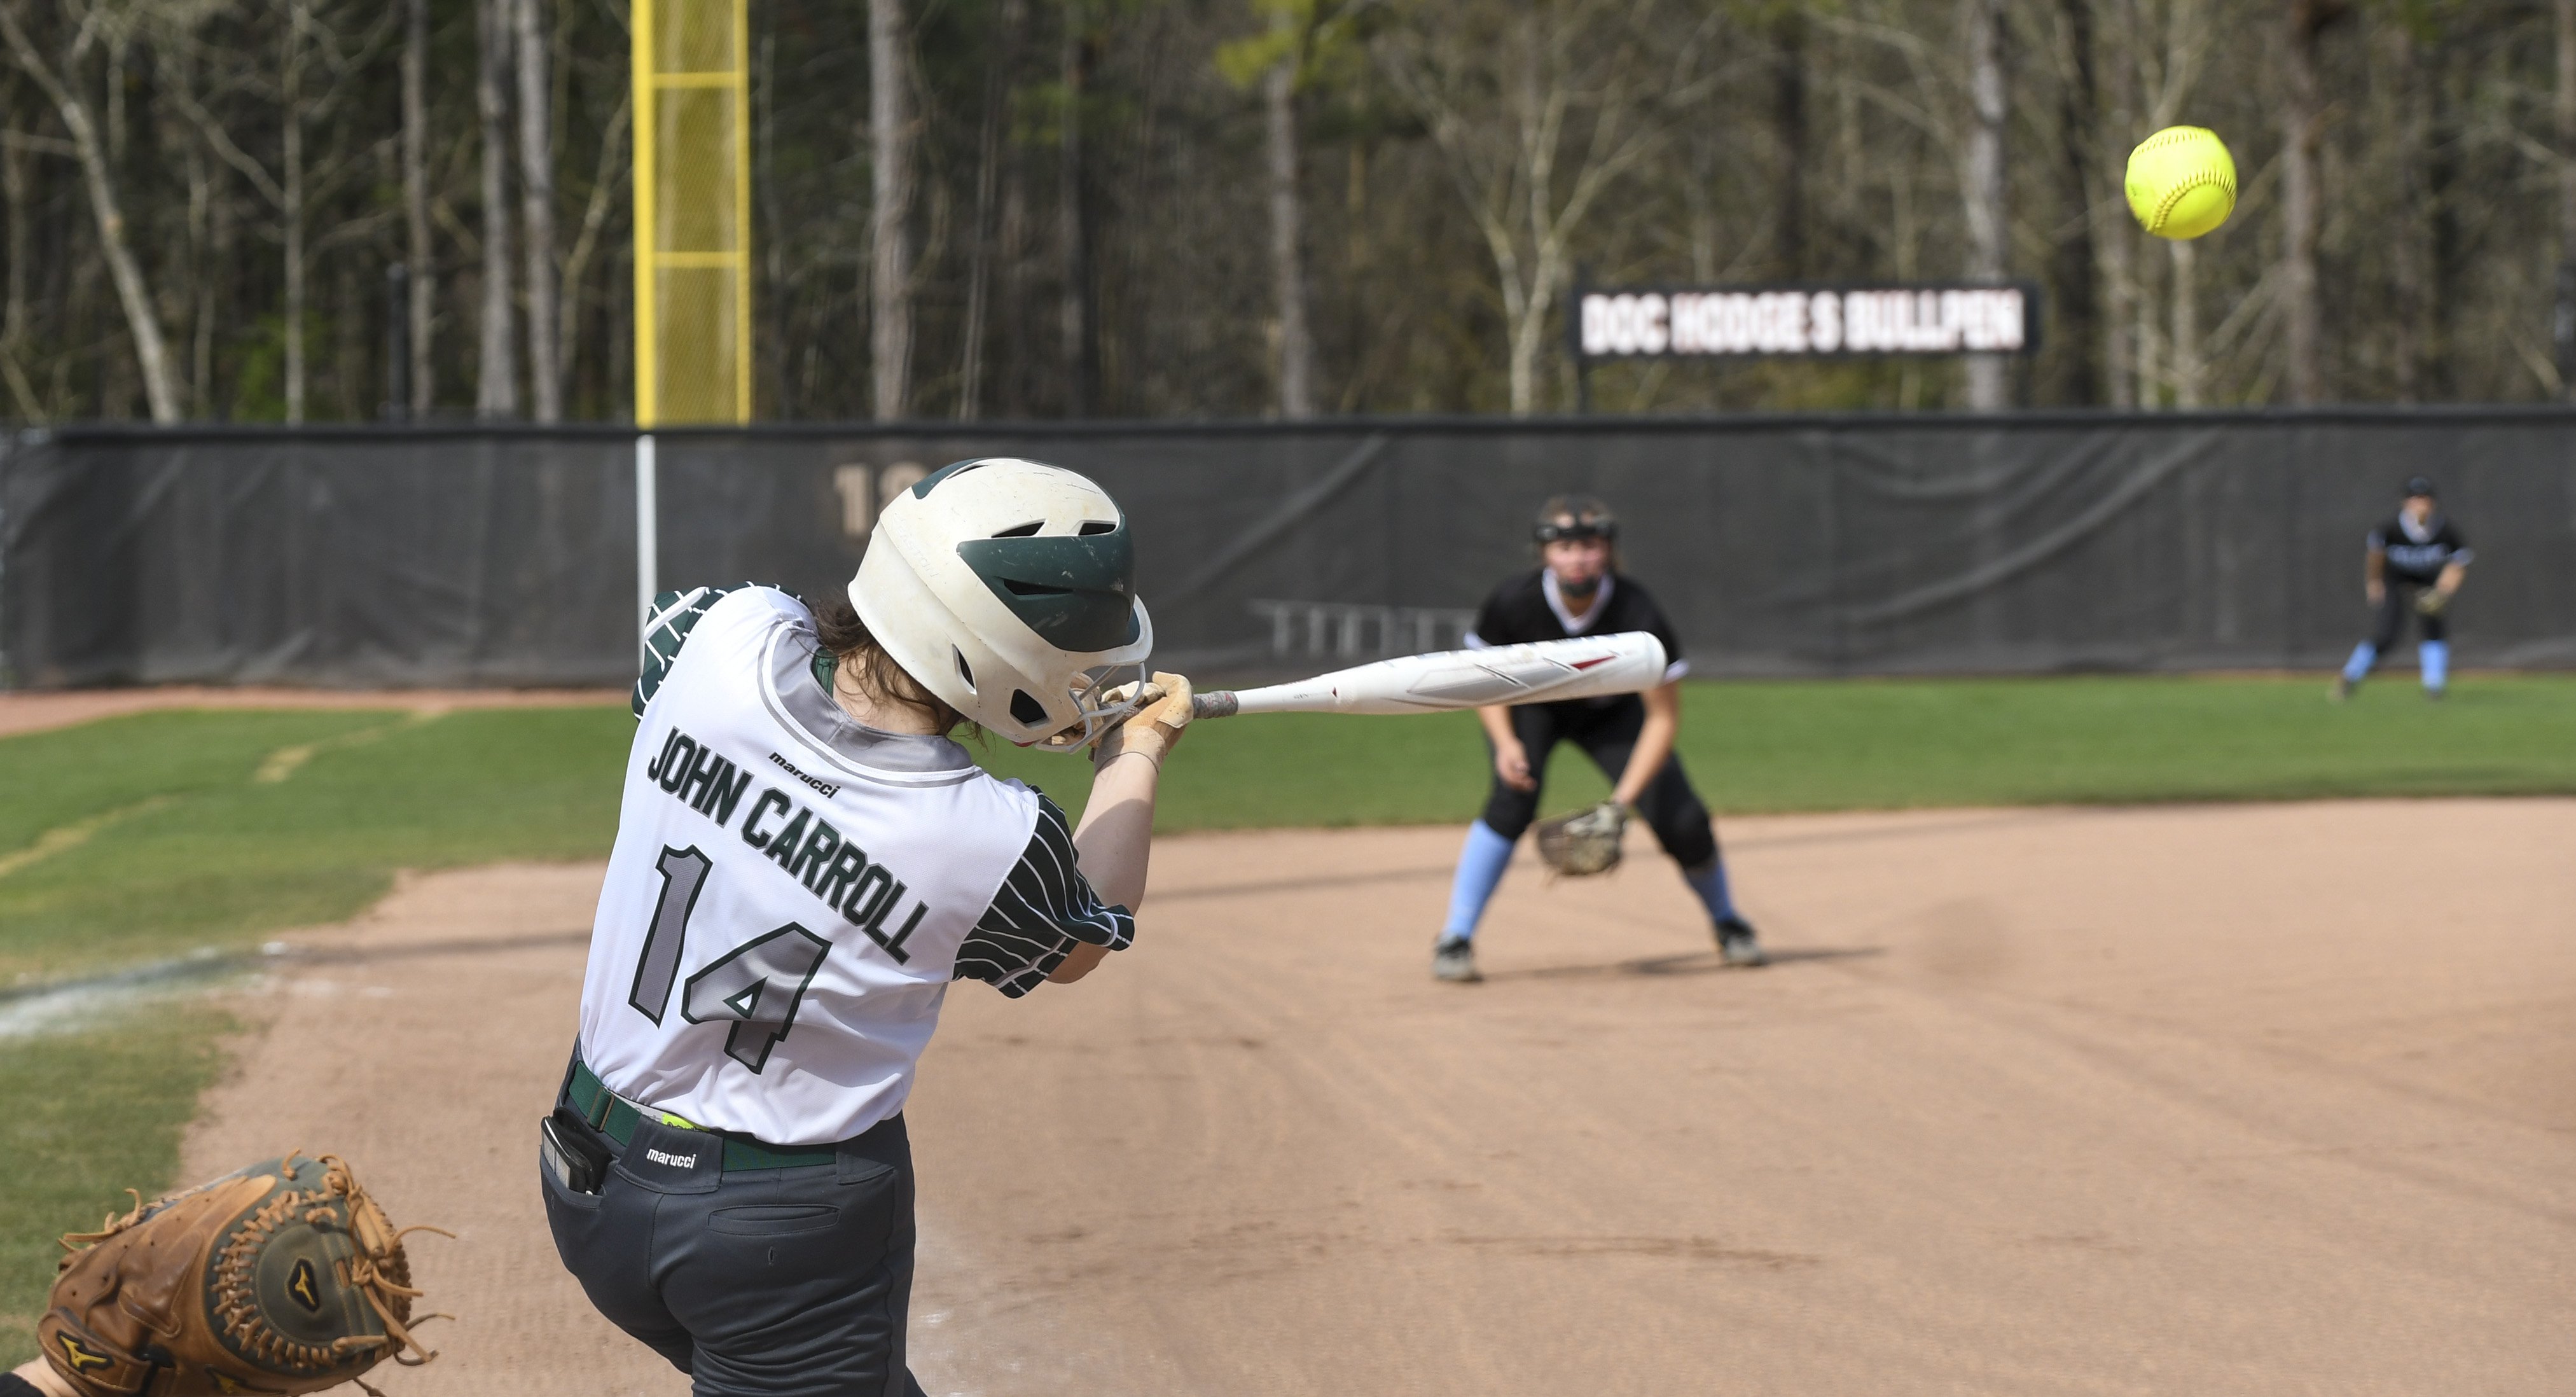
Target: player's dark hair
837 625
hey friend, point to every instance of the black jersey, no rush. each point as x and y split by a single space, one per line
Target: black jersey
1528 608
2419 559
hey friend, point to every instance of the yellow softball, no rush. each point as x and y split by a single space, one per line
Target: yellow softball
2182 182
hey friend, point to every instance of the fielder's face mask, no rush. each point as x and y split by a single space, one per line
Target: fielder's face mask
1575 530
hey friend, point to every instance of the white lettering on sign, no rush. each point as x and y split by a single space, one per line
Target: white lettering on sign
1787 320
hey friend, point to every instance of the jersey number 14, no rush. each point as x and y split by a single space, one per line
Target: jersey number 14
756 988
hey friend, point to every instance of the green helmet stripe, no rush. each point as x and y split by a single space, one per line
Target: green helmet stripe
1078 592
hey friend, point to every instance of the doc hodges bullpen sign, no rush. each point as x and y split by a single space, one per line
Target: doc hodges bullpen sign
1807 320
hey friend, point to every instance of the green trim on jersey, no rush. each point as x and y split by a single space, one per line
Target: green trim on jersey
666 629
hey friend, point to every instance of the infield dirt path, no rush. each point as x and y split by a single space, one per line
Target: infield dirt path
2178 1101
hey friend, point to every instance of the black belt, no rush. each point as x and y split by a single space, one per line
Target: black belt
616 1117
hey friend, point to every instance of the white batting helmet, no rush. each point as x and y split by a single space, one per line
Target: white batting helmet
1007 588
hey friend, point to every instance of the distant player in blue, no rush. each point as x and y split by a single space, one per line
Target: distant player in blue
2416 562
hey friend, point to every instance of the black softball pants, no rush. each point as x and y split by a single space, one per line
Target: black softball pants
2395 605
1607 734
757 1283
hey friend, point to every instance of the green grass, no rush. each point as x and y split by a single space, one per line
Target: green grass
55 778
1880 744
83 1116
224 858
187 850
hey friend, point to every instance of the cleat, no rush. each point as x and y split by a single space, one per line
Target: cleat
1736 945
2342 690
1454 960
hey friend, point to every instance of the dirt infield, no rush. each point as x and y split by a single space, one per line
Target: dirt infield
2246 1099
36 712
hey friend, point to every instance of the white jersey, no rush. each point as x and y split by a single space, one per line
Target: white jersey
790 892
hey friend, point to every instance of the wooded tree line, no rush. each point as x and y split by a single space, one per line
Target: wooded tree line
1150 208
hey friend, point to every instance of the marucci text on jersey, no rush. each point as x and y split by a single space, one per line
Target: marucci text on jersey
806 846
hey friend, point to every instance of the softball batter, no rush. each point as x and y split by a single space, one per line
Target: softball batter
804 860
1579 591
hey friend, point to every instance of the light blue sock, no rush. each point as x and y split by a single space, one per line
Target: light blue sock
1480 869
2436 655
2357 668
1710 883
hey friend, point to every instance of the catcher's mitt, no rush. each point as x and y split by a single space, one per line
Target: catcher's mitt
282 1278
2431 600
1585 842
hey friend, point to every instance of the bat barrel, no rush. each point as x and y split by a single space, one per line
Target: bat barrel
1536 672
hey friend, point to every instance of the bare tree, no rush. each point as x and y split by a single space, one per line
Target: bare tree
16 185
496 372
1012 239
1276 62
290 197
415 166
1073 230
990 141
605 182
2076 260
537 199
2169 68
2409 242
133 291
2302 122
1288 228
2565 327
1508 93
890 261
1981 180
1287 239
2117 232
1789 120
297 185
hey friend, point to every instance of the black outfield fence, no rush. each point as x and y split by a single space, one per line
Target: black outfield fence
1781 545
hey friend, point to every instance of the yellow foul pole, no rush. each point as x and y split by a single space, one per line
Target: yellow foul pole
692 180
692 212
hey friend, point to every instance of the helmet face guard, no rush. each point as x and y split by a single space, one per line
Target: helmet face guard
1007 587
1574 519
1095 716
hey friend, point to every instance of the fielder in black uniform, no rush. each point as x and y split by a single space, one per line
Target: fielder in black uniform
1630 737
2414 562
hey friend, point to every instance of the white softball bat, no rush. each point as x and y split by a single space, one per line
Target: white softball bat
1543 671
